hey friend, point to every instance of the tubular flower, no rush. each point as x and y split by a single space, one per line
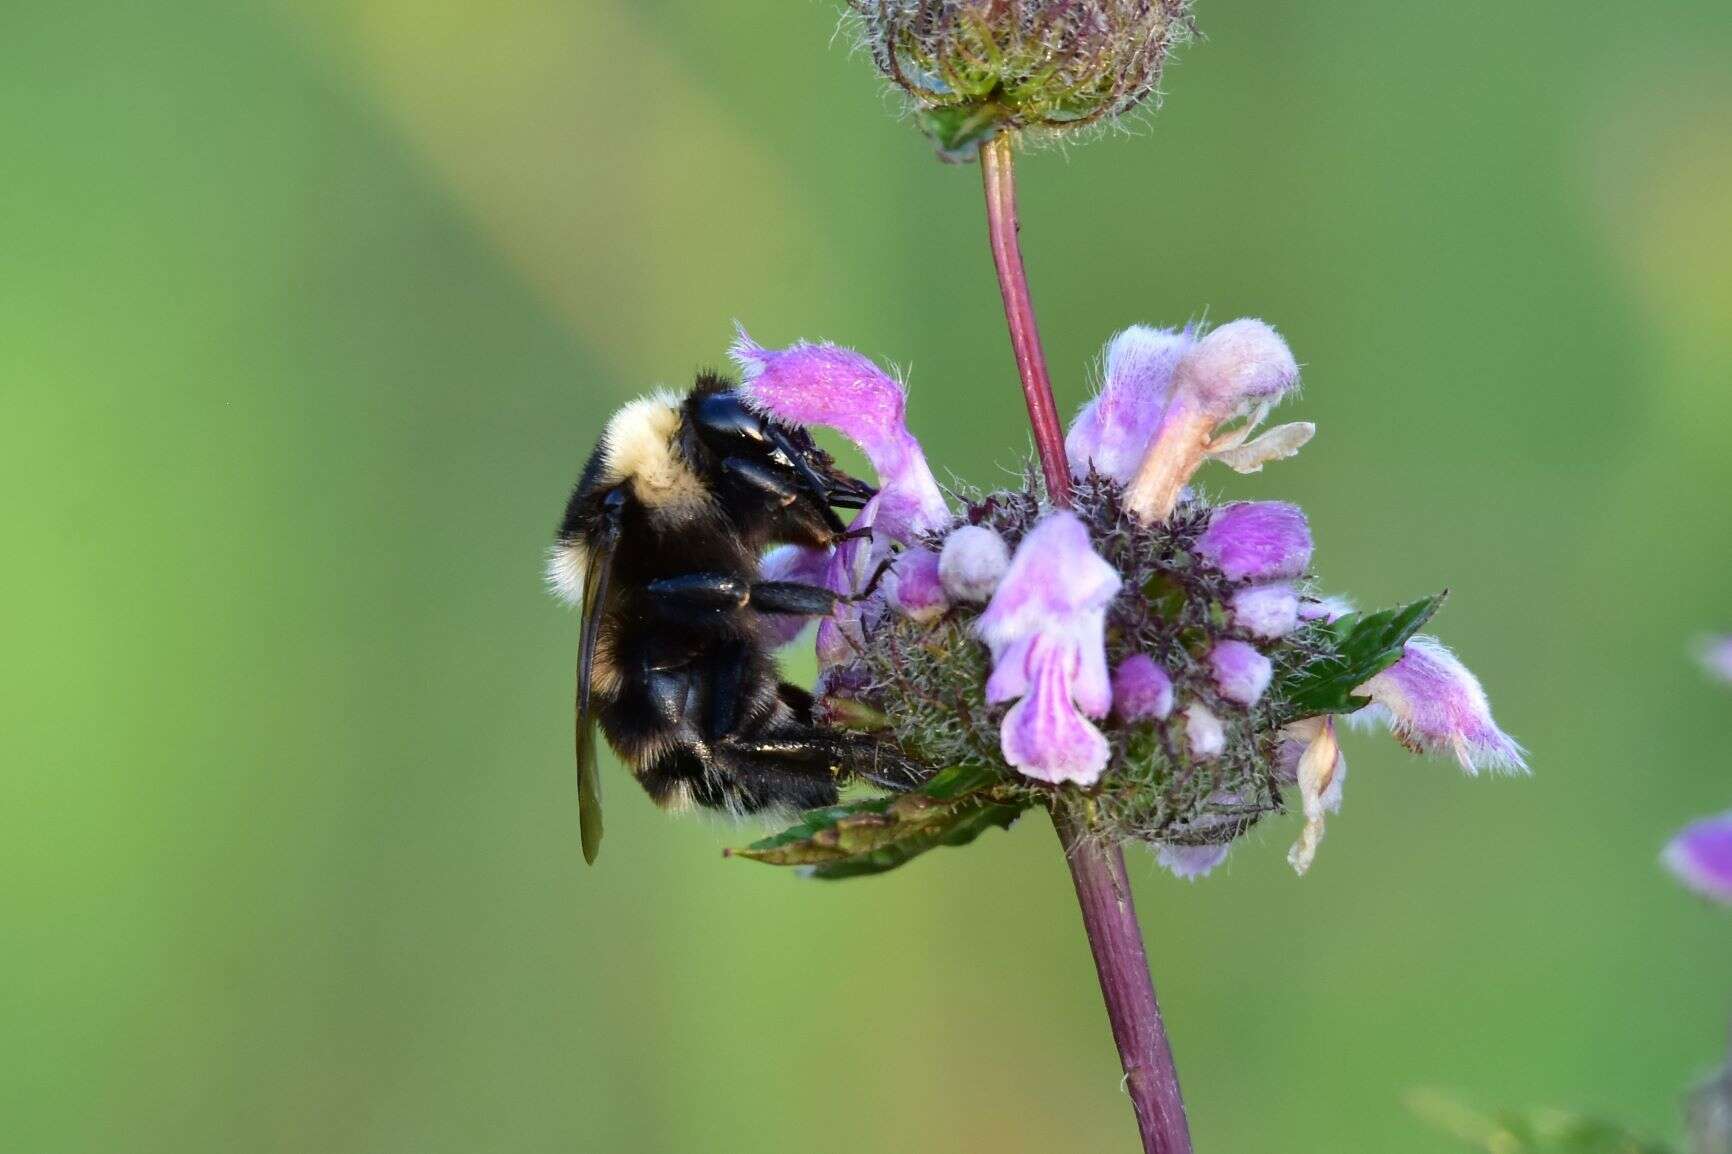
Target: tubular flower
1045 627
1434 705
1111 432
823 384
1240 370
807 384
1701 857
990 647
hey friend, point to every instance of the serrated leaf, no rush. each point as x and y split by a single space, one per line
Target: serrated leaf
959 827
879 834
1362 647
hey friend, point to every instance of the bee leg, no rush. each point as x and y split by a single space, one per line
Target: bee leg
793 598
865 756
692 598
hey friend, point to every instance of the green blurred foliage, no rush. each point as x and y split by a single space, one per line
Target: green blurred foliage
309 312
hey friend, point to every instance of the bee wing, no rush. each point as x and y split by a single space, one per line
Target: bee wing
595 579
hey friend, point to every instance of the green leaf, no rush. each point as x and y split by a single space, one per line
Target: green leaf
959 130
1362 646
881 833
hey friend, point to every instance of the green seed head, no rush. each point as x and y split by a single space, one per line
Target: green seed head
976 68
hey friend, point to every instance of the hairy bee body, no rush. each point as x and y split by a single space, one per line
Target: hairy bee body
661 542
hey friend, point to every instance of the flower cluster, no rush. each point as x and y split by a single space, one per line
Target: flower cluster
1701 855
1158 660
974 68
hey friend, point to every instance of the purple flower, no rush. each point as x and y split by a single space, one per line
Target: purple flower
1701 857
1241 673
825 384
913 587
1266 611
1046 628
1257 541
1434 705
1141 689
1204 732
972 563
1190 861
1716 655
1238 370
1113 430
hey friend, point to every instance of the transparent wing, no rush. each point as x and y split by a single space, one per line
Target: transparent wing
595 579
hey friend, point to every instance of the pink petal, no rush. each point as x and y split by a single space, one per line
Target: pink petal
827 385
1241 364
1434 705
1054 575
1113 430
1044 737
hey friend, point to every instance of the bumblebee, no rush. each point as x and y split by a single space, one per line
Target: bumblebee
660 545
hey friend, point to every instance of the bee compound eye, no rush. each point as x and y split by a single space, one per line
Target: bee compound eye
724 417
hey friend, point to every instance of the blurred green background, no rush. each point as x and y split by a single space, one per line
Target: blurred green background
310 311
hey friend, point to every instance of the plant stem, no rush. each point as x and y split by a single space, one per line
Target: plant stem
998 175
1102 889
1104 893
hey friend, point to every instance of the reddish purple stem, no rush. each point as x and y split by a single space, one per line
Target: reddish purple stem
998 173
1116 939
1102 889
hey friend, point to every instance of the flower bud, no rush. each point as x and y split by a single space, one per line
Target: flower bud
975 68
1204 731
1434 705
1241 673
1190 861
912 586
1701 857
972 563
1266 611
1141 690
1257 541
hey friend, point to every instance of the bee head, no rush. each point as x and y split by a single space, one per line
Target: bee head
773 478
